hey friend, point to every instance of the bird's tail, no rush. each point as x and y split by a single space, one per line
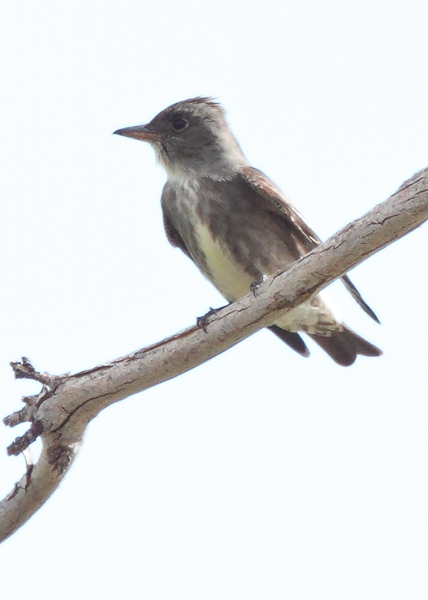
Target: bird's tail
344 346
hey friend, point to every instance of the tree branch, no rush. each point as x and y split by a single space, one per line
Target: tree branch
66 404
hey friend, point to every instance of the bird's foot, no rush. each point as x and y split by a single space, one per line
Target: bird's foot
202 322
256 284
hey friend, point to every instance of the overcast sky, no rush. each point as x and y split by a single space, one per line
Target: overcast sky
259 475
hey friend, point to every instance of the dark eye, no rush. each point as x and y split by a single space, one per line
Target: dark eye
179 124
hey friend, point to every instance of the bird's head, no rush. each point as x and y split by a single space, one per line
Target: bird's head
192 139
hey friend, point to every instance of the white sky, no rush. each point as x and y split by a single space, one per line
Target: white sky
260 474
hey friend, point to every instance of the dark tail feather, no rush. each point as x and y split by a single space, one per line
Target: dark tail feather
344 346
292 339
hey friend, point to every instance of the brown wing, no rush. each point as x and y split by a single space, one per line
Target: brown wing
174 238
305 238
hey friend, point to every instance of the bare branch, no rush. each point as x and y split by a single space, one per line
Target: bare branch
66 404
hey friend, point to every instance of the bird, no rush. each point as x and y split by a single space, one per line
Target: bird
236 225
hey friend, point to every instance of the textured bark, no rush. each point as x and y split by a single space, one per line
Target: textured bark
66 404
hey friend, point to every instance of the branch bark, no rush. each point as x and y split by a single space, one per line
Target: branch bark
67 403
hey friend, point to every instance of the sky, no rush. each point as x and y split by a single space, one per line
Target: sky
259 474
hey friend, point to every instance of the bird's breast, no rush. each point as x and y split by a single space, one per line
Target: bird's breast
219 264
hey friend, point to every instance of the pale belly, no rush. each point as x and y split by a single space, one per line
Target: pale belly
234 282
224 272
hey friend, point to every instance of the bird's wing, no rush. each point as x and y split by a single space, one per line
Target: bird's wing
304 237
174 238
358 298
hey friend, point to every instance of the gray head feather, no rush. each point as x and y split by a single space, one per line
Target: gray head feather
193 139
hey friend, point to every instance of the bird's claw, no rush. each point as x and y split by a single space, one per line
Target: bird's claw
202 322
256 284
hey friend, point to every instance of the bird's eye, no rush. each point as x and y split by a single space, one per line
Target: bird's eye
179 124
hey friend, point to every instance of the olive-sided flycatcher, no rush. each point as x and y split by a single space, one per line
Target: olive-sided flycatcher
235 224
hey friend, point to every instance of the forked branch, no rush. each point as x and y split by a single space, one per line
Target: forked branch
66 404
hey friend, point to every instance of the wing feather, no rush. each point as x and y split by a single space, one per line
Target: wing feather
305 238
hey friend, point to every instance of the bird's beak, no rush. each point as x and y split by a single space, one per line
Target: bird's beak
139 132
